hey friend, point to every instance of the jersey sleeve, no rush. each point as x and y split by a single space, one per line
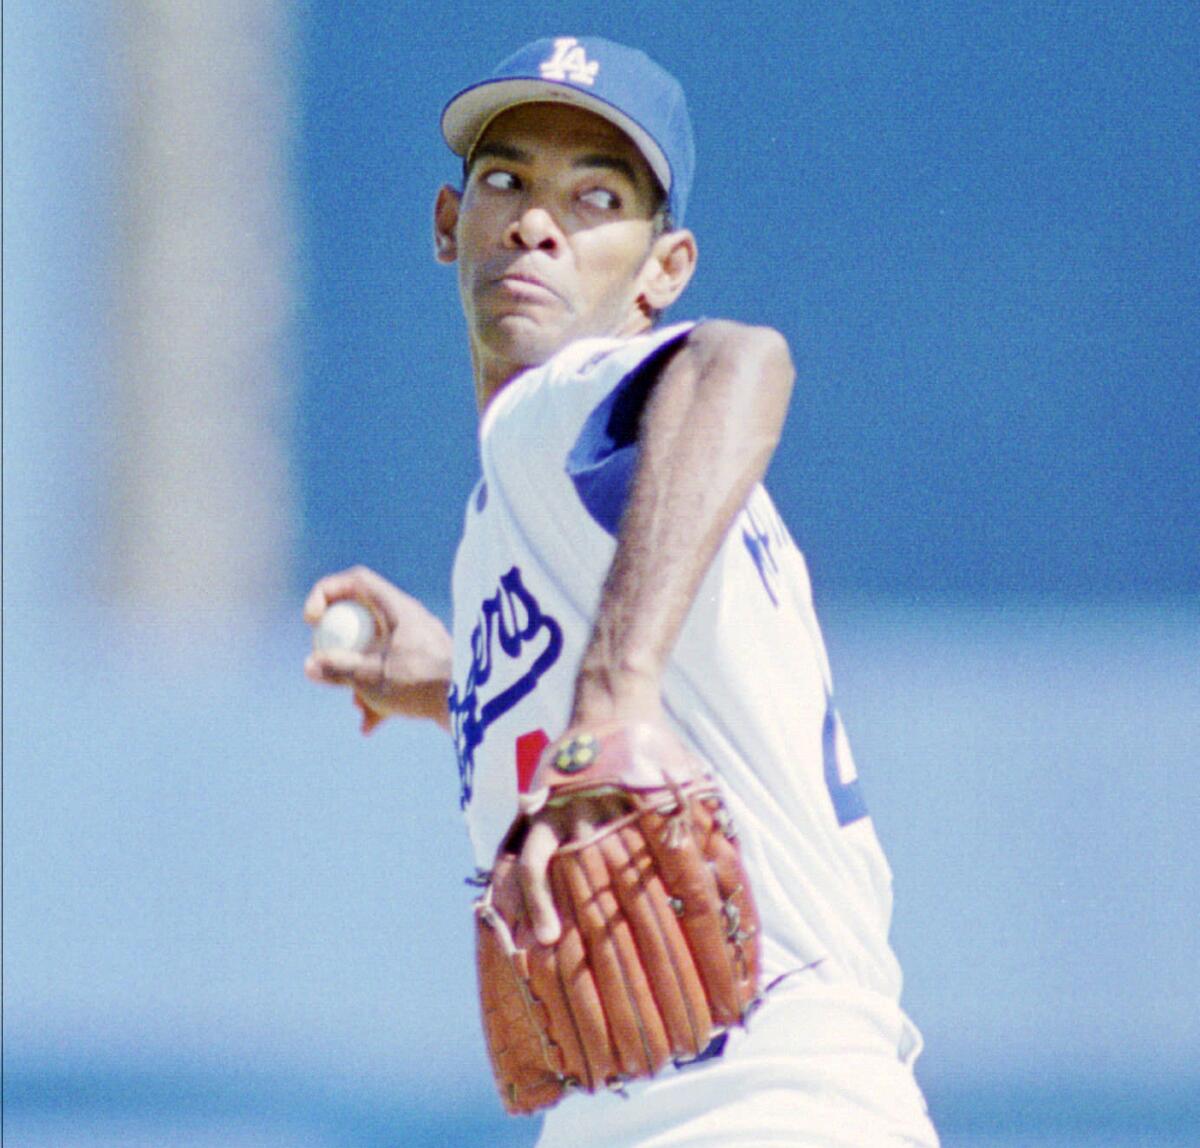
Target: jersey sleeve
600 463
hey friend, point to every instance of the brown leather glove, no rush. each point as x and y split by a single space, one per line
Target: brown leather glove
659 943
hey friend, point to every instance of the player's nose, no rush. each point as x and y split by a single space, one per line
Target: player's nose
534 230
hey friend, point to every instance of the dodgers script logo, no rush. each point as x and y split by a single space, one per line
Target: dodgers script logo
570 62
511 626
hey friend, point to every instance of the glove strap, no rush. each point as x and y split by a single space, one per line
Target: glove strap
638 756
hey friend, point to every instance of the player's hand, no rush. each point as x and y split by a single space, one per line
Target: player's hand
405 670
576 820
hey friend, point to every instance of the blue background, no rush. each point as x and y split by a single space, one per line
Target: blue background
230 920
977 224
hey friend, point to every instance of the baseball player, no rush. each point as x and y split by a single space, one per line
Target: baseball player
621 567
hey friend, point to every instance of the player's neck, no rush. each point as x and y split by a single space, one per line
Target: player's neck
494 372
491 377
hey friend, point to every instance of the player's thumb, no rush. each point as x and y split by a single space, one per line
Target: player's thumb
533 873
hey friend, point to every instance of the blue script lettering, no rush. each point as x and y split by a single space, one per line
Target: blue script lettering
763 541
510 619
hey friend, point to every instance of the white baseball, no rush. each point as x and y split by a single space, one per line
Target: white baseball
345 625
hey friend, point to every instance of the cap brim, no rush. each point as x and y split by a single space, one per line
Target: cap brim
468 114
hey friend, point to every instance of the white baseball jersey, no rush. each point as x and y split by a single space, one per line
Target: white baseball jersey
748 687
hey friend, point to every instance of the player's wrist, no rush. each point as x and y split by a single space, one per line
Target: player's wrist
419 699
605 693
435 703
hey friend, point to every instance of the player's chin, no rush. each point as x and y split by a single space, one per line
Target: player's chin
526 337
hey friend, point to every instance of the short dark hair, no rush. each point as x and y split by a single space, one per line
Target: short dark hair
662 213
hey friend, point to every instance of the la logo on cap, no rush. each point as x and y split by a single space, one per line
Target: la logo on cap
569 62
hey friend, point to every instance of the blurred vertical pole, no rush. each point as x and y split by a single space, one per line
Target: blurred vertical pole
203 508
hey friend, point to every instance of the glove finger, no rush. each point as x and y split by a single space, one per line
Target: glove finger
552 968
506 895
624 993
682 1008
688 879
513 1022
717 842
650 972
565 981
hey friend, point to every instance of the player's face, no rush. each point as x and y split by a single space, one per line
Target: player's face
551 235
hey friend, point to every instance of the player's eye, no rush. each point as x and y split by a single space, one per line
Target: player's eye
601 198
501 180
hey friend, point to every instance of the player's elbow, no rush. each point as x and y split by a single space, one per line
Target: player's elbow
753 367
770 352
754 356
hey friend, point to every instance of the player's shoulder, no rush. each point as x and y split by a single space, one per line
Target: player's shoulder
614 357
704 333
593 371
737 337
582 373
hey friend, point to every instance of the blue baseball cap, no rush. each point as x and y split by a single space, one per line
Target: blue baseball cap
623 85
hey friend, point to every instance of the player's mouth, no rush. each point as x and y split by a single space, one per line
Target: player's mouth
521 285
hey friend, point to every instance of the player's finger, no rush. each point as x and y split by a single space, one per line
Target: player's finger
315 604
357 582
316 670
532 873
328 589
344 667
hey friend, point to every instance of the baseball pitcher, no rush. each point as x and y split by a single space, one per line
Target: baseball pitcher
683 910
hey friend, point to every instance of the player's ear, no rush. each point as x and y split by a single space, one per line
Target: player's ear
668 269
445 222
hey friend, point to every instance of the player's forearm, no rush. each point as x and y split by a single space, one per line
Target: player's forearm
706 437
426 700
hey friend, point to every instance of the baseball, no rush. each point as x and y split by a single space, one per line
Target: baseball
345 625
